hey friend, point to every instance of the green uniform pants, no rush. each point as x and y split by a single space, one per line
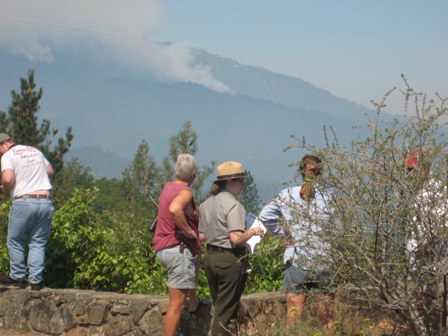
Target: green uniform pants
226 275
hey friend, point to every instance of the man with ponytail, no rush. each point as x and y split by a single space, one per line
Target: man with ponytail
300 209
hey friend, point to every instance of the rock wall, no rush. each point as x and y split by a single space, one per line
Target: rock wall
70 312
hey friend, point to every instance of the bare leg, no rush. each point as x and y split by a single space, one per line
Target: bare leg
175 307
325 310
294 307
194 299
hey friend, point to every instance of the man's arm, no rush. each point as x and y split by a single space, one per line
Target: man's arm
50 171
177 208
8 179
269 216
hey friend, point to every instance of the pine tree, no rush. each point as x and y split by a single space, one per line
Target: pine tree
185 141
21 123
140 181
249 198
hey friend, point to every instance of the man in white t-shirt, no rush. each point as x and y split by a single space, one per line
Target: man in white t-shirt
26 177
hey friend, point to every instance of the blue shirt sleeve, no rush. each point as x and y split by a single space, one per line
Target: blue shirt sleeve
269 216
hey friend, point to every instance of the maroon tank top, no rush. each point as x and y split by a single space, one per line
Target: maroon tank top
167 233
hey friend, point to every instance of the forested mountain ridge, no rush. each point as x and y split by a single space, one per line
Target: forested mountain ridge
111 110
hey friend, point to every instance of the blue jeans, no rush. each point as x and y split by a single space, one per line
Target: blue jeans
29 218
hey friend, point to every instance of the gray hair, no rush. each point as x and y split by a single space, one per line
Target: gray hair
186 167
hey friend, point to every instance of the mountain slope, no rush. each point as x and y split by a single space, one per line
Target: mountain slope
111 110
267 85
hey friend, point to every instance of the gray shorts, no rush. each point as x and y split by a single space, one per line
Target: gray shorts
300 281
181 267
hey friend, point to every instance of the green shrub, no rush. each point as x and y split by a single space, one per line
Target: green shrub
111 252
4 256
267 267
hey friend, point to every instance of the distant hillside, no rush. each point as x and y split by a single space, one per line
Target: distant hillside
106 163
112 110
293 92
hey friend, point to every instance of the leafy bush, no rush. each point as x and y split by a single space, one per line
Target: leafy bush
73 240
5 207
107 253
381 205
267 267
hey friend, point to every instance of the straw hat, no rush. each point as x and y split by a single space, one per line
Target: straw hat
230 170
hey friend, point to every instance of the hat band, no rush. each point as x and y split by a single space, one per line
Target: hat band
231 176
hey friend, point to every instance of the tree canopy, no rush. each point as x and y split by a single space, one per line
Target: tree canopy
21 123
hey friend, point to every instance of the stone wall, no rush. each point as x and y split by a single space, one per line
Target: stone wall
69 312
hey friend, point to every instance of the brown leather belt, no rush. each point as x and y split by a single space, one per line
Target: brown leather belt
32 196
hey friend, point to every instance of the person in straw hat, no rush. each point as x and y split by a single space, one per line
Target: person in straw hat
222 226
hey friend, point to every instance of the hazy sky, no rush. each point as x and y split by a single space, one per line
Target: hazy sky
354 49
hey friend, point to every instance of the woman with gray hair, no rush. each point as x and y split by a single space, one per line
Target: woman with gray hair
176 240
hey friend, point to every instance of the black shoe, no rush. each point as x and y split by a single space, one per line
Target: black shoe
7 281
37 286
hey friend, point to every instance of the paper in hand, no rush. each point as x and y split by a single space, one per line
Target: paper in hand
252 222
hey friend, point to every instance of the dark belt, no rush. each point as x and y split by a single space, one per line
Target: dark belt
239 250
33 196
